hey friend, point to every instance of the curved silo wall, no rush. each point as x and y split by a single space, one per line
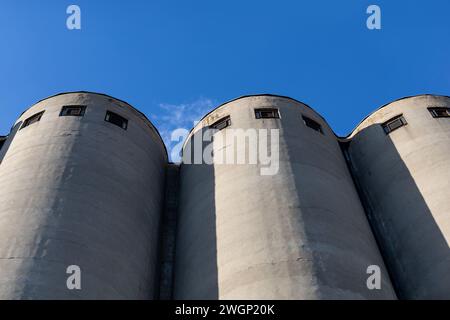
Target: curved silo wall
404 177
77 190
298 234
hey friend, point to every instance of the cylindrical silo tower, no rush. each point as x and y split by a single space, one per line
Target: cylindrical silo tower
400 158
297 231
81 185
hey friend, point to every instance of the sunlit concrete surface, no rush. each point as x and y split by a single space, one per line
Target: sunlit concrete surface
81 191
299 234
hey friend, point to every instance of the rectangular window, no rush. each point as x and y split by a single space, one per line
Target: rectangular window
33 119
222 123
312 124
394 124
75 111
114 118
267 113
439 112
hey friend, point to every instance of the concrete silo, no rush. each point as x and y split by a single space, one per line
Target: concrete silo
81 184
300 233
400 158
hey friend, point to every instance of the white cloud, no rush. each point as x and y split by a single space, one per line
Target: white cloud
179 116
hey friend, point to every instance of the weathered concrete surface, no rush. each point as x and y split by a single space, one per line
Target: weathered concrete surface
405 180
299 234
81 191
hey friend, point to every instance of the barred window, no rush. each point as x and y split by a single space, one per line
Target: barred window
439 112
222 123
312 124
33 119
116 119
75 111
394 124
267 113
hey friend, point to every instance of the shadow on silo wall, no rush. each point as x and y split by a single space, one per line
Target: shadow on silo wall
196 273
336 230
414 248
4 145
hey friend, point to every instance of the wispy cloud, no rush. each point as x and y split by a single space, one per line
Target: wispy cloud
179 116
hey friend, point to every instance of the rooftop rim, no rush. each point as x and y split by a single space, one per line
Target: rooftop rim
340 138
352 133
249 96
144 117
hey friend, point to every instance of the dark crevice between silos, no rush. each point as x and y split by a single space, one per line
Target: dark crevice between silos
168 233
367 209
5 141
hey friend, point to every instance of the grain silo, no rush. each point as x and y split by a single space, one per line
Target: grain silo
81 183
400 158
300 233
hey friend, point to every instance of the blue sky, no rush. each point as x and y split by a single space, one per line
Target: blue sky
175 60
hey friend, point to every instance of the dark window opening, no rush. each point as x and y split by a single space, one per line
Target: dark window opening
2 141
267 113
114 118
222 123
33 119
75 111
312 124
440 112
394 124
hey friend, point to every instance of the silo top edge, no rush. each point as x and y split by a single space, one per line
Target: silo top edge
245 97
139 113
150 124
363 121
340 138
258 95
